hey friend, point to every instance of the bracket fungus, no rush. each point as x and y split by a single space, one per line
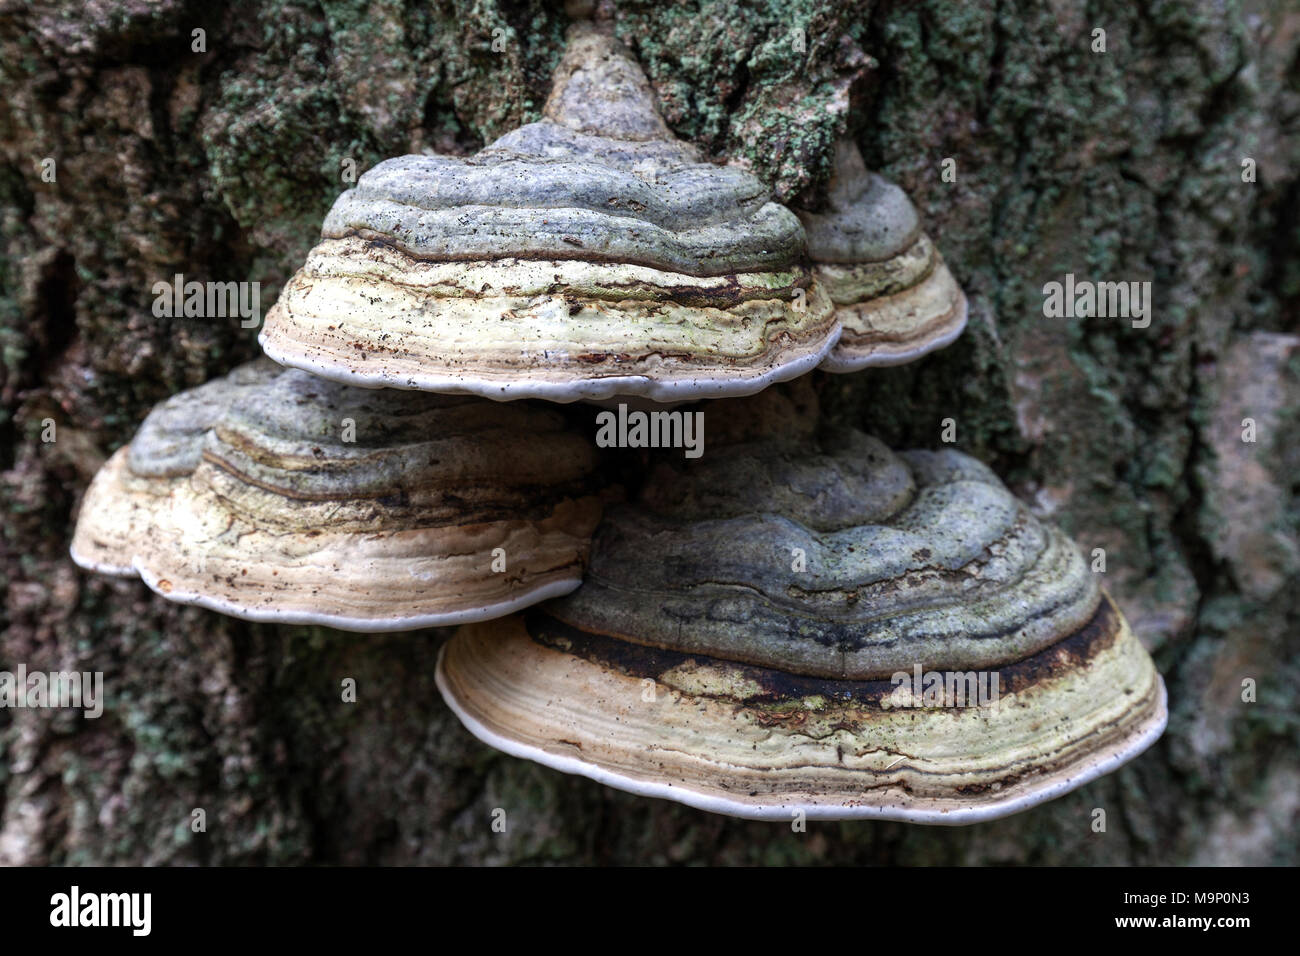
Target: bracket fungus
893 294
804 621
119 509
288 498
700 663
587 256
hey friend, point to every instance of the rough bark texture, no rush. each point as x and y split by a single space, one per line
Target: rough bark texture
1123 165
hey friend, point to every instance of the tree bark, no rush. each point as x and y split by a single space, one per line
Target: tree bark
216 155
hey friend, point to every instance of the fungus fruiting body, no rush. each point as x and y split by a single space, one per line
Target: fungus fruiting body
585 256
800 622
119 508
893 293
763 632
301 500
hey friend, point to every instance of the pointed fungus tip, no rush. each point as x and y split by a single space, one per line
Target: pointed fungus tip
599 89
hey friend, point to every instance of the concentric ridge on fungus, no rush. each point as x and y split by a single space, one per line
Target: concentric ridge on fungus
775 689
585 256
893 294
120 507
284 497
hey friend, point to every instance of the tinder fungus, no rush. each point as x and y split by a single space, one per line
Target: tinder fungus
893 295
585 256
299 500
809 622
119 507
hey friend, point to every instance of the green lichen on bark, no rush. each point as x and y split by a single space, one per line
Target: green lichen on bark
220 164
766 84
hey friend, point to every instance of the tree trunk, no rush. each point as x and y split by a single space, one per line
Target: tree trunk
217 153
